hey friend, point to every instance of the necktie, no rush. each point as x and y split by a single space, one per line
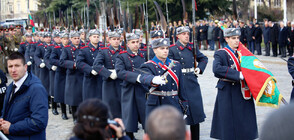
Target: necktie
12 91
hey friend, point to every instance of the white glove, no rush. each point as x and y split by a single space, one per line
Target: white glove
113 75
29 63
197 71
138 78
6 48
158 80
54 68
94 72
15 49
241 76
42 65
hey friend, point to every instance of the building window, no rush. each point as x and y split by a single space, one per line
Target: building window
10 8
277 3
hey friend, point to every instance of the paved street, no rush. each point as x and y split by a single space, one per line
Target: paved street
60 129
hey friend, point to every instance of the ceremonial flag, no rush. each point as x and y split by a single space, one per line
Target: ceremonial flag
261 82
32 22
196 6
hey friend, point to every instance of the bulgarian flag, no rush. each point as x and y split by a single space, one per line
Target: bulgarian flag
261 82
32 22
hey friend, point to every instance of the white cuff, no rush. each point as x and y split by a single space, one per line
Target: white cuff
241 76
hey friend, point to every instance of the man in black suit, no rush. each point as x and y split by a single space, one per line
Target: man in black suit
274 34
243 33
249 37
257 38
283 37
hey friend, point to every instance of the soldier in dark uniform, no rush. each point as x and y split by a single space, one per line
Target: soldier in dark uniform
234 117
25 47
60 74
32 52
83 37
92 82
40 62
140 33
154 35
37 45
167 87
74 77
291 71
182 51
105 65
52 69
133 94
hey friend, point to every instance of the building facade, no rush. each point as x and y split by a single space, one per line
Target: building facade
17 9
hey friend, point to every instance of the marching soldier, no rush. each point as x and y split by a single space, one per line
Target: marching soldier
92 82
154 35
105 65
133 99
60 74
25 47
2 51
32 50
74 83
40 62
234 117
182 51
83 37
140 33
52 69
166 80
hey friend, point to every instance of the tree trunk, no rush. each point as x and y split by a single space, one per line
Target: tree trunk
270 4
235 16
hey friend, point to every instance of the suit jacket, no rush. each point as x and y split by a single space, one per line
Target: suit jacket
283 36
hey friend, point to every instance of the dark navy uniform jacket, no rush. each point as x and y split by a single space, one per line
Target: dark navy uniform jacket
3 81
31 54
92 84
23 46
184 55
39 58
49 66
154 68
133 94
234 117
74 76
111 89
291 71
60 74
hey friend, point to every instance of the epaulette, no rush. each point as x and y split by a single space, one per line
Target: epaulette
104 48
22 43
143 49
101 45
123 52
84 47
51 45
32 42
40 44
172 45
83 44
191 43
56 47
108 45
67 46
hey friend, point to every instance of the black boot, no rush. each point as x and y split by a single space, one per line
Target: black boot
54 107
131 135
49 102
74 110
194 131
63 111
69 109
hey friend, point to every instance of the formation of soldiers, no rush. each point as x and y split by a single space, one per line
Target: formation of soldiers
76 65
